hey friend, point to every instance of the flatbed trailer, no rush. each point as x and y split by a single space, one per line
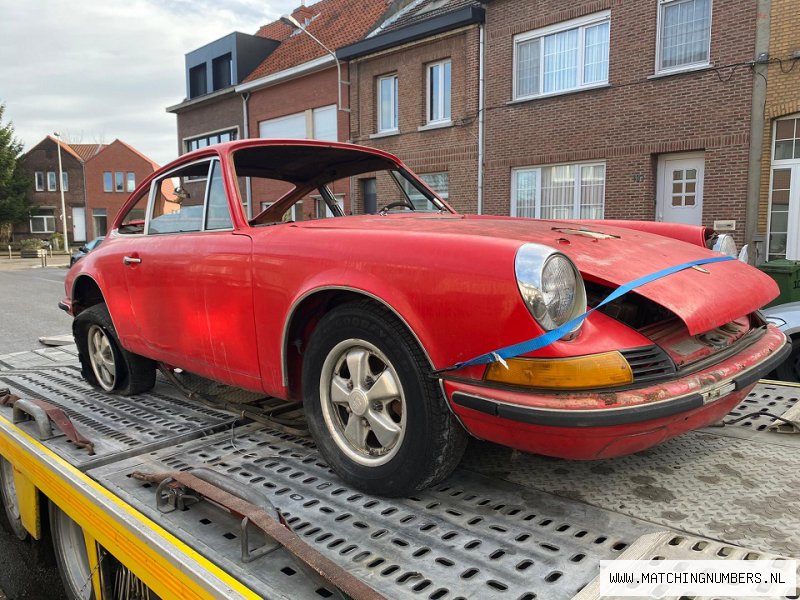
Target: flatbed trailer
505 525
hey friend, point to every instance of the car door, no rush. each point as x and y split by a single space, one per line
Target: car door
189 278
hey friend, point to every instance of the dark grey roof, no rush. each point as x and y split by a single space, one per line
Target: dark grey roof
418 20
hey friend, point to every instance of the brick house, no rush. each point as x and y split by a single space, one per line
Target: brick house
83 197
291 92
111 175
415 93
619 109
41 164
778 216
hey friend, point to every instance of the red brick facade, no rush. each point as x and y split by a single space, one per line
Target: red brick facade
452 149
117 157
632 121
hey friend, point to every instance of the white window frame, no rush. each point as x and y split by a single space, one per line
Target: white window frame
110 187
785 163
395 104
576 202
581 23
688 66
119 181
310 130
38 180
65 181
130 181
440 102
44 218
52 181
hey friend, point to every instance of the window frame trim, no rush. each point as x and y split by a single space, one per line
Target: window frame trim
55 181
44 217
784 163
428 79
657 70
579 23
576 203
395 104
207 134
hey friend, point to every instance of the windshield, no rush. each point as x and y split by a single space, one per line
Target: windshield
298 183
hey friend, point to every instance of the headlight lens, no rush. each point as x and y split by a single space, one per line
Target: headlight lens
725 245
550 285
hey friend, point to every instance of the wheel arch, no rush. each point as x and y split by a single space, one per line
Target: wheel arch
86 293
304 315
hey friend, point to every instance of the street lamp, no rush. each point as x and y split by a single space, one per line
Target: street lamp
61 187
294 23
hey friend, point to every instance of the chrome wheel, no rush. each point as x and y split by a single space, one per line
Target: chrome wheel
10 501
362 402
101 356
70 549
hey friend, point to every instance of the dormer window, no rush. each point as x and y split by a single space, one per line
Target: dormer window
197 81
221 71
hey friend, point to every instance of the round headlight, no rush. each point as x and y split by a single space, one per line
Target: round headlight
724 244
550 285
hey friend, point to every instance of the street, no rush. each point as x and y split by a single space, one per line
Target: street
28 297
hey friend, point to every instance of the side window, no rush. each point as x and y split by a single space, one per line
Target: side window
218 216
133 221
178 202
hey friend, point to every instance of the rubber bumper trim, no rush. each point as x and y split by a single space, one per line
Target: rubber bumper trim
579 418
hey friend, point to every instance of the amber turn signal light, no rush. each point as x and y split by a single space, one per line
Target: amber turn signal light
609 369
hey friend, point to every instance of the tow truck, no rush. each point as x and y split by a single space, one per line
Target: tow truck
198 491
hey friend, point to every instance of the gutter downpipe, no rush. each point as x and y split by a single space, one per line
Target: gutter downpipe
246 132
757 116
481 52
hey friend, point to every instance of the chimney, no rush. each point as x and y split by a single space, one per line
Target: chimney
302 13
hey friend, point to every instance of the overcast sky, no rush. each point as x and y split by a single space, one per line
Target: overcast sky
97 70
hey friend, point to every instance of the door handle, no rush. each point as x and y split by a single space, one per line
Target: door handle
130 260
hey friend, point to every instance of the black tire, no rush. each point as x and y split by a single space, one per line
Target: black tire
69 547
789 370
125 373
10 500
430 441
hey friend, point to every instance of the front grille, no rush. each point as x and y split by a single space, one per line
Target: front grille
648 363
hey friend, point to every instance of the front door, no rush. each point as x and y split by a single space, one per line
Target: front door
78 224
679 197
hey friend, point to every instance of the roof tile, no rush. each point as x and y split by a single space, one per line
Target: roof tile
336 23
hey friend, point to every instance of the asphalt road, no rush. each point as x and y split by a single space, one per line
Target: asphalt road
29 305
28 310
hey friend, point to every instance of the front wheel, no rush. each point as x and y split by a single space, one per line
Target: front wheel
105 364
379 419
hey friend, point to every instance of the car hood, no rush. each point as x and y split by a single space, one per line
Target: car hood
704 297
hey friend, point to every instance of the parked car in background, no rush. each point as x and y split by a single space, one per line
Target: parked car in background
85 249
786 317
367 319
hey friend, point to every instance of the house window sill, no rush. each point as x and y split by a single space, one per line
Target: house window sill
693 69
436 125
383 134
557 94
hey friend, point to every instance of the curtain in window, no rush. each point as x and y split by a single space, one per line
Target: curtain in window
528 68
595 54
558 192
593 191
526 193
560 61
685 32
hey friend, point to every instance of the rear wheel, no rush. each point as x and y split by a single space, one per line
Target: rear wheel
69 546
10 501
105 364
379 419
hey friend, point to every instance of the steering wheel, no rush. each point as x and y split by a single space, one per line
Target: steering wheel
396 204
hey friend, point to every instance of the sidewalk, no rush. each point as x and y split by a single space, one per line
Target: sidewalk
20 264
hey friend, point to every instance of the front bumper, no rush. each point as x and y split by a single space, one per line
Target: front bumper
605 424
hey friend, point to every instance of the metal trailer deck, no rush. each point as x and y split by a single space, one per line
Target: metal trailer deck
505 525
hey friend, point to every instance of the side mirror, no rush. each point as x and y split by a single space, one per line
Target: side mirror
83 249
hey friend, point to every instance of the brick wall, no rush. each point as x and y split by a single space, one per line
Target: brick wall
632 121
451 149
116 157
783 88
44 157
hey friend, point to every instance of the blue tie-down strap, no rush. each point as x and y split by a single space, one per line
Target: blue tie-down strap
554 335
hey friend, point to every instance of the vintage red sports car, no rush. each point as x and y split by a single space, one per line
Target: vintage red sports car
369 319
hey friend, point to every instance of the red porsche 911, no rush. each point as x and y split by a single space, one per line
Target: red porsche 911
405 331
